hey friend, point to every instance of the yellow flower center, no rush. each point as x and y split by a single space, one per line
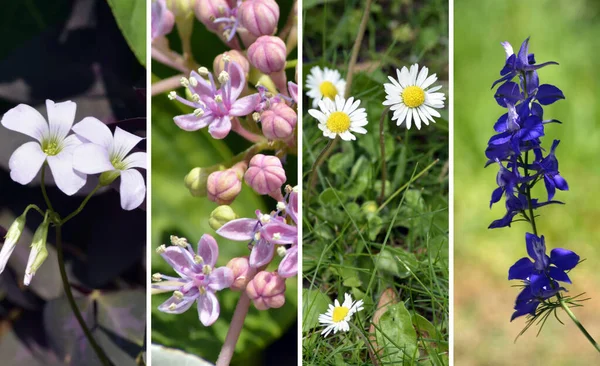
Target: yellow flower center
413 96
50 147
338 122
339 313
328 89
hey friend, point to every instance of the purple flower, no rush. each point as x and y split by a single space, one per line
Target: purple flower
548 168
215 107
198 281
162 19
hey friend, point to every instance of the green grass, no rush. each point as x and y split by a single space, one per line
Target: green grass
562 32
348 245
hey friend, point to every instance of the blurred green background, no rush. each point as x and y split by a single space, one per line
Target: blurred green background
566 32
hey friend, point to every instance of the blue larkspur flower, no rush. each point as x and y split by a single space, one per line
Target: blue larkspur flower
548 168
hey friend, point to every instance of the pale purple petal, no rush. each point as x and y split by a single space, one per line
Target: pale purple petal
93 130
26 162
287 234
245 105
123 142
293 89
203 87
289 264
91 159
238 229
190 122
220 127
60 118
261 254
208 308
180 259
208 250
133 189
162 19
26 120
181 305
220 278
136 160
237 79
66 178
292 207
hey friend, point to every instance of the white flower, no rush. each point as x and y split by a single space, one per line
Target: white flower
340 117
324 84
105 153
337 317
409 98
52 145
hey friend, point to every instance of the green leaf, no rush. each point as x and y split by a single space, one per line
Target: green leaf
314 303
375 225
330 197
131 18
396 335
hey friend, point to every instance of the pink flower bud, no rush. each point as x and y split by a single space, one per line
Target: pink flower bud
278 122
268 54
208 10
241 272
265 174
234 56
259 17
223 186
162 19
267 290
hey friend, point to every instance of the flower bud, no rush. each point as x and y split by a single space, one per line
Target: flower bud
223 186
38 253
220 216
268 54
293 90
162 19
196 180
278 122
234 56
181 8
241 272
11 238
108 177
265 174
267 290
208 10
259 17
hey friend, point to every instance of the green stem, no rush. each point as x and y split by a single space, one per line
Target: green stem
577 323
558 295
63 275
357 45
291 64
313 174
81 206
32 206
46 199
382 144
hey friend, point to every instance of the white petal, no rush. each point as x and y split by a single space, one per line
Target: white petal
91 159
67 180
347 136
133 189
26 162
60 118
123 143
408 118
416 118
422 76
26 120
435 88
93 130
430 80
136 160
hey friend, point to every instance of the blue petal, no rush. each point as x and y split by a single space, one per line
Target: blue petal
501 125
563 258
561 183
558 275
521 270
548 94
509 91
496 195
550 188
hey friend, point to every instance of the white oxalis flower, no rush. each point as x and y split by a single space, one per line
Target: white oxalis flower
105 153
53 144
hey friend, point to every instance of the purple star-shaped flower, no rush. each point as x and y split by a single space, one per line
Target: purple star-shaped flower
215 107
198 280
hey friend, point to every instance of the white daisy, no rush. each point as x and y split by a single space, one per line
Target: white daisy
337 316
340 117
326 83
409 98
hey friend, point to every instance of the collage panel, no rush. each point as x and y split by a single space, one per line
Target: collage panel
375 172
524 270
224 182
72 184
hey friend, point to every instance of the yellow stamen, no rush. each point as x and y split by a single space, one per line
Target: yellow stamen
413 96
328 89
339 313
338 122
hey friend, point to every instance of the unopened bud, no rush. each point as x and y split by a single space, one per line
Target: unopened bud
195 181
11 238
268 54
265 174
220 216
223 186
241 272
267 290
278 122
234 56
38 253
259 17
208 10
